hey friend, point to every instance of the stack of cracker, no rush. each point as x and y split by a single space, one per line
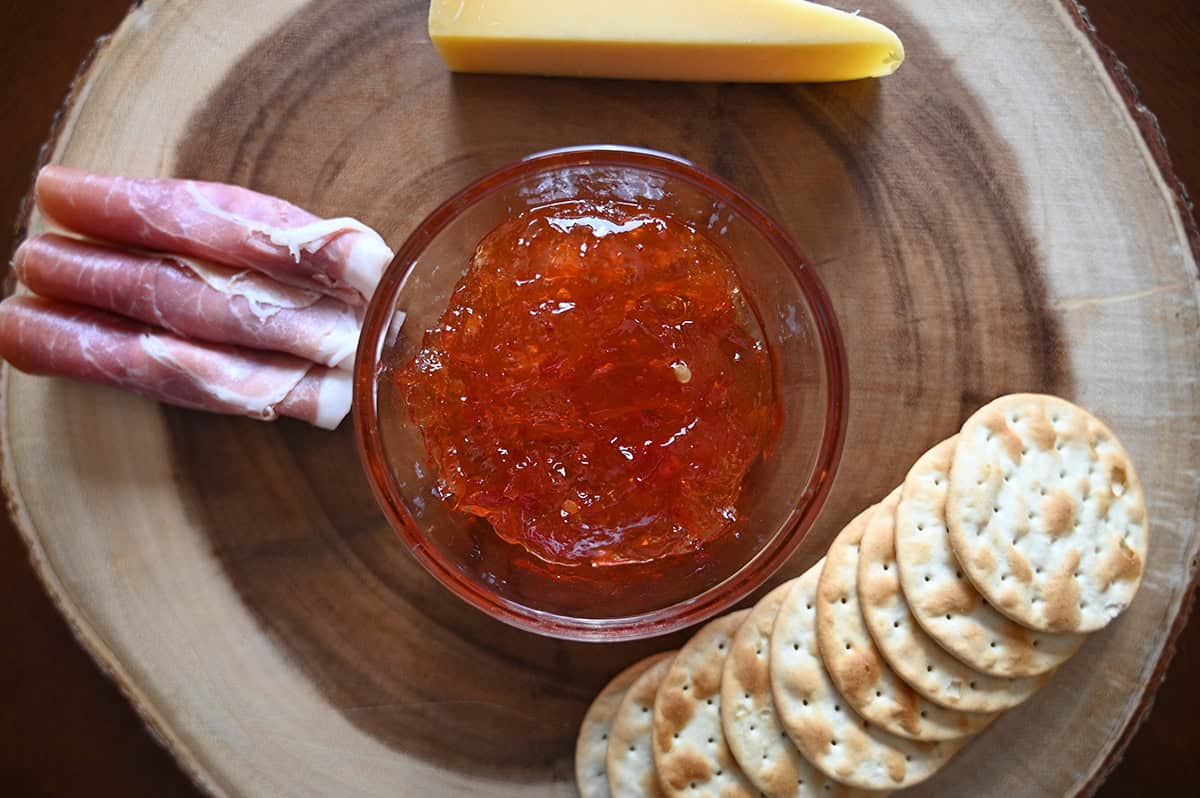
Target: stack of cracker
951 600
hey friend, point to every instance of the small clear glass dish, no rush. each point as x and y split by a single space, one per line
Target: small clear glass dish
783 493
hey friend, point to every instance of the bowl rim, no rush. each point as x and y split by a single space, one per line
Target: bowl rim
751 574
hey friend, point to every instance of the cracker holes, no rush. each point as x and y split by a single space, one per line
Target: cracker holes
720 646
958 574
971 685
686 687
844 599
757 653
879 694
896 624
924 714
1036 641
747 696
633 748
907 757
848 646
803 702
808 606
992 644
929 669
837 707
947 616
645 710
833 742
795 646
928 577
885 566
708 702
711 741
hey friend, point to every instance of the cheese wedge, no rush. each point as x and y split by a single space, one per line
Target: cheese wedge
698 40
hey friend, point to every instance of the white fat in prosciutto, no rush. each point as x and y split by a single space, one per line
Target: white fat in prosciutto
222 223
193 298
45 336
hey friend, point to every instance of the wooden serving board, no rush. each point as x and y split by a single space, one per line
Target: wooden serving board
998 216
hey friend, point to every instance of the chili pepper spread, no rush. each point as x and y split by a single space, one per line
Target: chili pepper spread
598 387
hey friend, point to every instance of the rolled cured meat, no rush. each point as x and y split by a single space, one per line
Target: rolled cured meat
45 336
225 224
193 298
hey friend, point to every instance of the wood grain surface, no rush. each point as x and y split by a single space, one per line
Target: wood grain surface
97 741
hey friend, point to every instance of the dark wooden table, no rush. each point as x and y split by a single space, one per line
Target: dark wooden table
64 728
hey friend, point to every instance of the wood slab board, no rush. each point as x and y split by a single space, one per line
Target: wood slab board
998 216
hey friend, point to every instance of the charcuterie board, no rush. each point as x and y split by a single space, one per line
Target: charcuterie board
998 216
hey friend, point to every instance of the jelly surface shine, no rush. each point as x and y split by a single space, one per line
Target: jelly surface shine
598 387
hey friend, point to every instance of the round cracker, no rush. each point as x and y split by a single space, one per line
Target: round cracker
630 757
861 675
943 600
1046 514
822 725
911 653
690 752
591 747
752 728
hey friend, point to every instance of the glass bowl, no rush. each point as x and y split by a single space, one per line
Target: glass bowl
783 492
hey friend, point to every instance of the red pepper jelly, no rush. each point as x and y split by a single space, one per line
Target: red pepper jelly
597 389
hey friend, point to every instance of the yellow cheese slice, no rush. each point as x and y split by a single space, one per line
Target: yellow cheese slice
701 40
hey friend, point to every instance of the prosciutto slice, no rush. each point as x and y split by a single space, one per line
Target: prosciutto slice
45 336
225 224
192 298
